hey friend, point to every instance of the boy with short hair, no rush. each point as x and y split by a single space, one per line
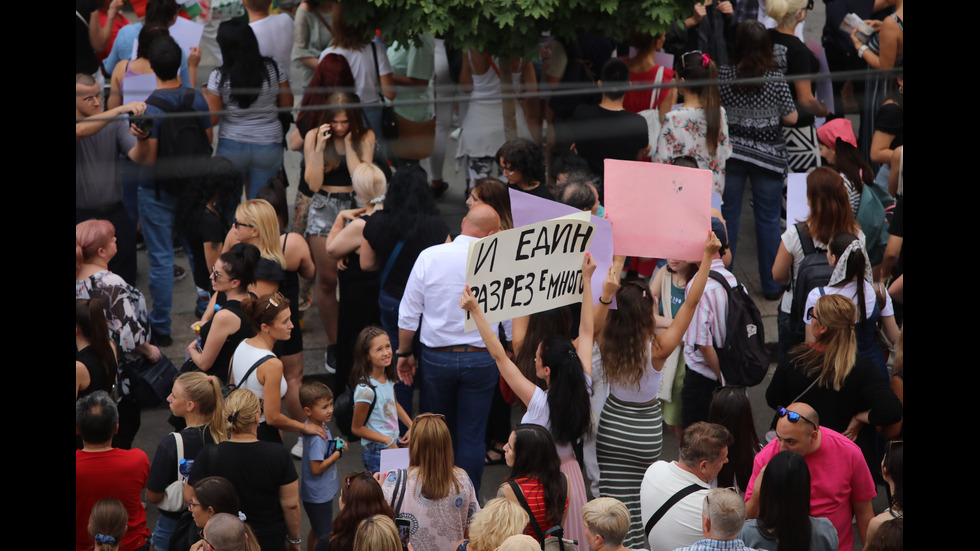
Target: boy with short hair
319 483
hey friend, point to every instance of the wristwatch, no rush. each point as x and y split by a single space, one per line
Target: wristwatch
404 354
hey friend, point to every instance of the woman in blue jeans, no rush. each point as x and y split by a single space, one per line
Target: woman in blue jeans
758 149
250 133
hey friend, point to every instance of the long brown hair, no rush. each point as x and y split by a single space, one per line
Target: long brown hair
362 498
691 67
625 344
360 373
356 129
430 451
832 356
753 54
830 210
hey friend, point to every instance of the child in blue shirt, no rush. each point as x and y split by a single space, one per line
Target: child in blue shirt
319 483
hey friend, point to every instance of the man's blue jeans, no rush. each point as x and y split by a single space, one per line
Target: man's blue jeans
460 385
157 219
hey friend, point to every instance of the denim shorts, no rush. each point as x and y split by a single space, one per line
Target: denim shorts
324 209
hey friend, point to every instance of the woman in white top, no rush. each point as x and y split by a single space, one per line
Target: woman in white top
269 317
630 433
250 134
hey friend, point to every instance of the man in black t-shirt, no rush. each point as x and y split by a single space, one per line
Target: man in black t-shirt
607 131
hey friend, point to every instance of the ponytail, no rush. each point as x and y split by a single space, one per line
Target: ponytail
698 67
205 391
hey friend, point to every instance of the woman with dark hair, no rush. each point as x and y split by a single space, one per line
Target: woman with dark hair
852 278
133 68
256 368
536 479
893 471
95 355
223 326
829 214
644 71
784 521
755 111
522 163
201 223
494 193
249 86
392 240
332 75
632 358
261 472
566 369
730 408
699 128
838 148
843 387
360 498
332 152
439 499
159 13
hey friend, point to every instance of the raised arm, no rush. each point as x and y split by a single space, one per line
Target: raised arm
665 343
346 233
313 147
522 387
366 147
609 288
583 346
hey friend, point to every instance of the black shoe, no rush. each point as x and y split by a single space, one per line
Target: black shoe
161 340
438 191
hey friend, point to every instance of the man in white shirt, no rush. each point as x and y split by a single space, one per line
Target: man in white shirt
703 451
458 375
274 33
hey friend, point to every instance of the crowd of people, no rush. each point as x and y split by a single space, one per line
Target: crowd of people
598 387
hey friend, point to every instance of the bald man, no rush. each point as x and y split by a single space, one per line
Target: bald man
840 482
457 373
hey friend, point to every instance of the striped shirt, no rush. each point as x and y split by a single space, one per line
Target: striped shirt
708 326
252 127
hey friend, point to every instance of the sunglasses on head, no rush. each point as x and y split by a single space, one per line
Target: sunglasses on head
794 417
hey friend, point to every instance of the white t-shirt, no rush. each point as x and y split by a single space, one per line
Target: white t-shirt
681 525
791 240
849 290
361 61
275 37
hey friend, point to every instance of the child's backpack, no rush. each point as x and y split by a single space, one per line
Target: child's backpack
744 357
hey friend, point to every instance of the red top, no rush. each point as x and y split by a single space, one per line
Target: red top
638 100
117 473
534 495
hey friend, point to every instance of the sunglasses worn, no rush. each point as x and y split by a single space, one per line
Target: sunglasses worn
794 417
238 224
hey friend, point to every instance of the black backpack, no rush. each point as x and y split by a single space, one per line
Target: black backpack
183 148
343 410
814 271
744 358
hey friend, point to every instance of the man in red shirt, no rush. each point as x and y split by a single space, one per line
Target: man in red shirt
102 471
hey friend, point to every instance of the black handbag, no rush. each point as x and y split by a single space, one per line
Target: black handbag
389 120
150 383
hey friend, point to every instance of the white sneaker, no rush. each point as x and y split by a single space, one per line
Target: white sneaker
326 363
297 450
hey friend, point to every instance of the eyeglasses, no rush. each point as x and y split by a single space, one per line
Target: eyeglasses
809 5
191 504
211 547
215 274
238 224
811 315
793 416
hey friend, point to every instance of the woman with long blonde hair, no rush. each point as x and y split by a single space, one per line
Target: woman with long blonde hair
283 259
431 490
844 388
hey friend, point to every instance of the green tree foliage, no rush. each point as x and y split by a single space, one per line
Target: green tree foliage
510 28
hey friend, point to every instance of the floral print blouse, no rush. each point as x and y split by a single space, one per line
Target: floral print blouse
683 133
126 313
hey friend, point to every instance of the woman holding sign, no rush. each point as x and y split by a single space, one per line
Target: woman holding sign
564 408
630 432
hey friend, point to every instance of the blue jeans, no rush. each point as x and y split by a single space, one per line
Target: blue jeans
258 162
767 197
460 386
164 529
321 522
403 393
371 456
157 219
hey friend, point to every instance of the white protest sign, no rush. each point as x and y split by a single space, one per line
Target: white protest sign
529 269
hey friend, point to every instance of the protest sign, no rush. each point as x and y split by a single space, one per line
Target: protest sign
527 209
530 268
658 210
797 209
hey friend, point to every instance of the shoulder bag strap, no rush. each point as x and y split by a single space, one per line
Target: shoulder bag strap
403 484
655 91
320 17
251 369
180 451
391 259
681 494
377 70
516 488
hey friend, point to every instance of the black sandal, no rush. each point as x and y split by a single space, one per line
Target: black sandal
487 460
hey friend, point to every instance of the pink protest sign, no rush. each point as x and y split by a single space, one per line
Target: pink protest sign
658 210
